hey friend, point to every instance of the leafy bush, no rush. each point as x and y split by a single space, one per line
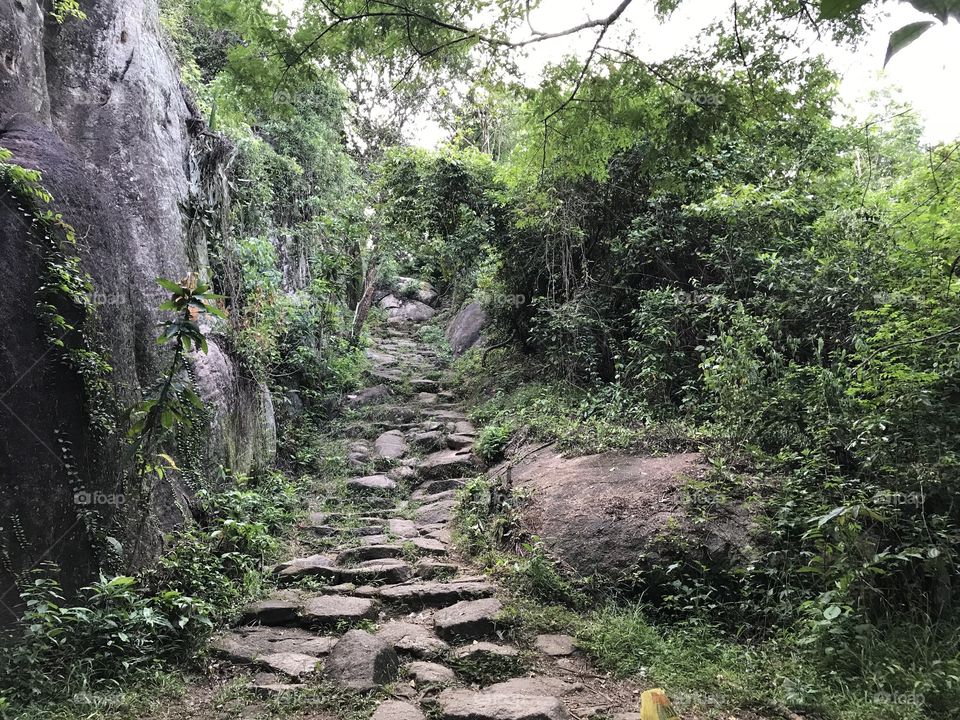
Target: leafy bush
125 628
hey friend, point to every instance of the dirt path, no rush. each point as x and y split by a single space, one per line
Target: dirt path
385 614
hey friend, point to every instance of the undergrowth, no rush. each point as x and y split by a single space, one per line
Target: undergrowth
125 630
904 671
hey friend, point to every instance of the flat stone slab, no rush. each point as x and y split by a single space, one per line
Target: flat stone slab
380 358
438 512
362 661
444 535
434 498
436 594
368 396
468 620
328 611
388 571
464 427
428 673
459 442
270 612
391 445
376 484
412 639
433 569
550 686
429 439
289 663
314 565
481 651
369 552
245 645
397 710
402 528
448 463
437 486
424 385
429 546
555 645
467 705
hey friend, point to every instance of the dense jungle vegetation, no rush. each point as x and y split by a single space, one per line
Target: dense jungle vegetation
700 253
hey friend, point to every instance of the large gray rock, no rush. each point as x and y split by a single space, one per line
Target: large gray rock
604 513
98 107
362 661
464 330
368 396
438 512
555 645
410 311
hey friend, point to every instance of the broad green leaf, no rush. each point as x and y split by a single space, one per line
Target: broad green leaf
906 35
169 285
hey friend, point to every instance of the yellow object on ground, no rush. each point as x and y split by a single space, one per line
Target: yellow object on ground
655 705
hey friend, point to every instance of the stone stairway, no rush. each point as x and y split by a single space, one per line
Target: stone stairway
388 607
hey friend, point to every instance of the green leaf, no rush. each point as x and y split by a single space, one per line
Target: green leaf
906 35
832 612
835 9
943 10
169 285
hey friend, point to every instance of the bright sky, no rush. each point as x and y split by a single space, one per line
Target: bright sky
927 72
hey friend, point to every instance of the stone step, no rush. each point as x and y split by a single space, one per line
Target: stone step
429 673
391 445
435 594
469 705
397 710
333 611
371 485
448 463
468 620
246 644
354 555
362 662
413 639
438 512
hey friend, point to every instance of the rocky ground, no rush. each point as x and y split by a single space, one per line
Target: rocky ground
388 611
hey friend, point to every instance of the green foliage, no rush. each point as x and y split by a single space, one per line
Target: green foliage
63 10
440 210
125 629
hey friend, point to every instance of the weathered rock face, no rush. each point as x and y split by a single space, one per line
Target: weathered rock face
614 513
97 106
464 330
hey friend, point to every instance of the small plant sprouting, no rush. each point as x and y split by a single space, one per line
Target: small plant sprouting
169 407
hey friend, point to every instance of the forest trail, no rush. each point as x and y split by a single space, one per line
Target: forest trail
389 609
